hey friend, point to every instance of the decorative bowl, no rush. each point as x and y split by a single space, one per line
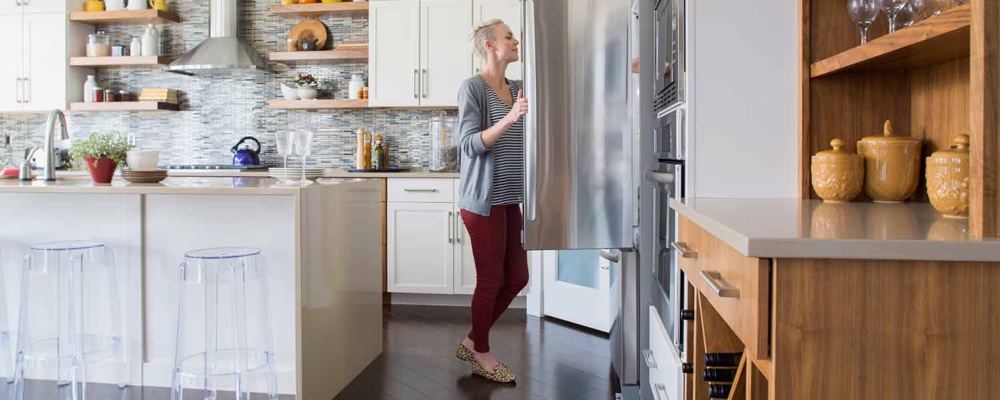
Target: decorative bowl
892 166
142 160
306 92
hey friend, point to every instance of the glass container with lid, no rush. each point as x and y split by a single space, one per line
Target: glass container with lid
98 44
444 143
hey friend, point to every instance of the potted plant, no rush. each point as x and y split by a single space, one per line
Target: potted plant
102 153
306 86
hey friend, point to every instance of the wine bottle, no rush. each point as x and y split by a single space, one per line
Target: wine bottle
722 375
722 359
719 391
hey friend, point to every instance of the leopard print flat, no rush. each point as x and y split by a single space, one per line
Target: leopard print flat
463 353
500 374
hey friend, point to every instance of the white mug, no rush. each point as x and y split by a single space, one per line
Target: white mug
114 5
137 4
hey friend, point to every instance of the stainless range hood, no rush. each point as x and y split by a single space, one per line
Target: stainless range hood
223 51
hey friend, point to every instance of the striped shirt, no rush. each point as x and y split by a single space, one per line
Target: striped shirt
508 153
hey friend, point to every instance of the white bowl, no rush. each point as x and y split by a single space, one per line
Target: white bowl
289 92
142 160
306 92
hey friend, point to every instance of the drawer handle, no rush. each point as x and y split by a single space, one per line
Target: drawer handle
721 289
650 361
683 249
661 392
420 190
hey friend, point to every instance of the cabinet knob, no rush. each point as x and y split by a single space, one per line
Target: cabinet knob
687 315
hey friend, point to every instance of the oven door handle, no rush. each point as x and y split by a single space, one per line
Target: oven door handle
659 177
684 251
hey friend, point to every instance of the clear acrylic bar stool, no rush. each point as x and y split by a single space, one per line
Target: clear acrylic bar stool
5 350
70 322
223 327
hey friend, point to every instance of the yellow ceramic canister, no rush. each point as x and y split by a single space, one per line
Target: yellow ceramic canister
948 179
892 166
837 175
93 5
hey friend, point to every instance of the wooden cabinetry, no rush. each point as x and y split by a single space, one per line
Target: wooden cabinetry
35 72
420 52
841 328
934 80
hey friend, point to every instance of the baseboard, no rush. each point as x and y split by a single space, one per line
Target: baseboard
447 300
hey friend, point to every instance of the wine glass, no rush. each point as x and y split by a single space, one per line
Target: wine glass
906 16
891 8
960 2
862 13
927 8
302 143
283 141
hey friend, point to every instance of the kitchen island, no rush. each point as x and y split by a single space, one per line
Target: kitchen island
319 243
840 300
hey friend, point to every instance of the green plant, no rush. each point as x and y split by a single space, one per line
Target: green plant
306 80
109 145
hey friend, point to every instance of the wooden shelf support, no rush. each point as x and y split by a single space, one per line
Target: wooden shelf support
129 17
320 10
115 106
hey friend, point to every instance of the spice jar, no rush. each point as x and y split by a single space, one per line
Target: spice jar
837 175
109 95
98 95
948 179
98 44
892 165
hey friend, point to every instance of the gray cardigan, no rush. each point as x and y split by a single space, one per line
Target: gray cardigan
476 166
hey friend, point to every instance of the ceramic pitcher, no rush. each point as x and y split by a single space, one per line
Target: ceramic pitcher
114 5
137 4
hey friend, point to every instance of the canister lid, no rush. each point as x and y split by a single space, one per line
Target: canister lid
888 136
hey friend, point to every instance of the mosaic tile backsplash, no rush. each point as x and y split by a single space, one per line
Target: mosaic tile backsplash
218 111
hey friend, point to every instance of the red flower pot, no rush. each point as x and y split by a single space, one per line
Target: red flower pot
103 171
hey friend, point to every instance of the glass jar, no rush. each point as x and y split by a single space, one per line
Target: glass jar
444 144
98 44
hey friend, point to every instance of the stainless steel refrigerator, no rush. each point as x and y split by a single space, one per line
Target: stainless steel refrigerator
582 132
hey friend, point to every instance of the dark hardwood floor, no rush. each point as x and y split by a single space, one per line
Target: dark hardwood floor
553 360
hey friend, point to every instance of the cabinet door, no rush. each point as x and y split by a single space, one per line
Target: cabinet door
12 63
44 6
394 59
11 7
510 12
420 257
445 50
46 61
465 264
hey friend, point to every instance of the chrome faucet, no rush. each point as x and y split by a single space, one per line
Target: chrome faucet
50 125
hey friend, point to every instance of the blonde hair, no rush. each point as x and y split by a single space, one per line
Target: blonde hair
483 33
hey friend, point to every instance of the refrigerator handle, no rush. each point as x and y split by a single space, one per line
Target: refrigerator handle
530 134
659 177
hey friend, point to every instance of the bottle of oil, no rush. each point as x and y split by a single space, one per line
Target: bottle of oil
378 159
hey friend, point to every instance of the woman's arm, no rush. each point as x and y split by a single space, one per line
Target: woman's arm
520 107
469 121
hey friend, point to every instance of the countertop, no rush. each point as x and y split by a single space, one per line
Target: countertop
796 228
329 173
171 185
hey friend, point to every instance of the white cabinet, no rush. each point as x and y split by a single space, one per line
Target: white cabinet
465 264
420 247
420 52
510 12
35 70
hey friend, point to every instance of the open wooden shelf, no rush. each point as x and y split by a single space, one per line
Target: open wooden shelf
318 104
352 54
318 10
137 61
938 39
134 17
124 106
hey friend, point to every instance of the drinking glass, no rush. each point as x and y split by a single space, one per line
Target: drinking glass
906 16
283 141
862 13
891 8
960 2
302 142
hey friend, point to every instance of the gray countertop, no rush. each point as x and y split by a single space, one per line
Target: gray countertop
795 228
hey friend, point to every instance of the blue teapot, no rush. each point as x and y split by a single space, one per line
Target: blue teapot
244 155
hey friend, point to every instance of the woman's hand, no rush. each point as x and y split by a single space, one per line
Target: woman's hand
518 110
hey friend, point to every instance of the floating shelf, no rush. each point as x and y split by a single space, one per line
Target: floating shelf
346 55
138 61
319 104
318 10
938 39
124 106
137 17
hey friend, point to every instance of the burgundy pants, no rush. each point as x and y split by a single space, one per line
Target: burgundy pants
501 267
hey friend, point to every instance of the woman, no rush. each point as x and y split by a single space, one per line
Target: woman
490 108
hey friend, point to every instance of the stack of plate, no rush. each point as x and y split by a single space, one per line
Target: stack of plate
144 176
295 173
